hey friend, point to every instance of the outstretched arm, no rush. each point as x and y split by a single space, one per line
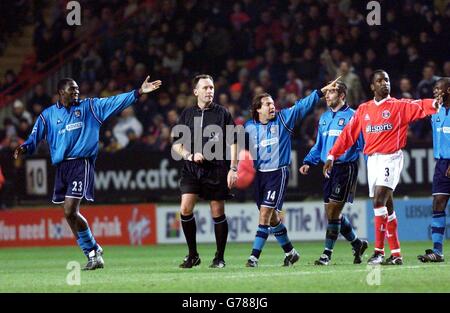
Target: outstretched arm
103 108
417 109
148 86
303 106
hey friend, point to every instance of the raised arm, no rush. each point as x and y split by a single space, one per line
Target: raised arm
303 106
103 108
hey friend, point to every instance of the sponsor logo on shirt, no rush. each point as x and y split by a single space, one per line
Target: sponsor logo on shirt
74 126
332 133
386 114
269 142
445 130
378 128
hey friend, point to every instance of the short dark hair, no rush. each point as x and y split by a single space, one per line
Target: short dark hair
372 77
62 83
446 81
257 103
201 76
341 87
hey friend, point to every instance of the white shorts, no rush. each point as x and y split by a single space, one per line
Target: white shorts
384 170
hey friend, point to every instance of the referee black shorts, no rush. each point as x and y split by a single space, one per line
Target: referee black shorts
208 180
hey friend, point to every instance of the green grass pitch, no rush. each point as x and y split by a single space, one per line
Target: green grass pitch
155 269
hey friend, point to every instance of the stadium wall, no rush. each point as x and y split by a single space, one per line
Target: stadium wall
414 219
112 225
143 224
155 178
303 220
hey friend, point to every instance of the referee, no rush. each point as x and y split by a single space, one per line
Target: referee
205 173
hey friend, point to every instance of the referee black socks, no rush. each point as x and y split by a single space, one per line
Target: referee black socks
221 232
190 232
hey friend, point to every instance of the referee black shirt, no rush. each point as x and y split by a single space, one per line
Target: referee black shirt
198 120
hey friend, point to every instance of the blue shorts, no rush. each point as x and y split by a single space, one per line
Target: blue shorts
441 183
341 185
74 179
270 188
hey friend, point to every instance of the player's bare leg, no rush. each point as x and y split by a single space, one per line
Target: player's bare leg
188 201
437 230
76 221
220 231
80 228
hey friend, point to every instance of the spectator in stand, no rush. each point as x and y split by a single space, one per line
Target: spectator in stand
10 81
414 65
406 90
127 121
293 84
39 97
19 113
255 44
425 86
23 128
310 125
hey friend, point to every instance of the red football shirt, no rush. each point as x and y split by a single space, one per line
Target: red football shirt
384 125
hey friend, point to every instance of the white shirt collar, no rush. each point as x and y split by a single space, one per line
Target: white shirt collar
382 101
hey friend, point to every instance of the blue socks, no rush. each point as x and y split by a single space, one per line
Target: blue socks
438 230
86 241
280 232
260 239
348 232
333 228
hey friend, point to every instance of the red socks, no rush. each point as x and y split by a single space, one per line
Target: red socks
392 235
381 221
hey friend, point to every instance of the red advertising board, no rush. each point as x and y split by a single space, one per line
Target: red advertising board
128 224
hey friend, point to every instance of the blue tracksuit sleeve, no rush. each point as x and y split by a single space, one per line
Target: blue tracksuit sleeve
102 108
37 134
313 157
299 109
360 142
